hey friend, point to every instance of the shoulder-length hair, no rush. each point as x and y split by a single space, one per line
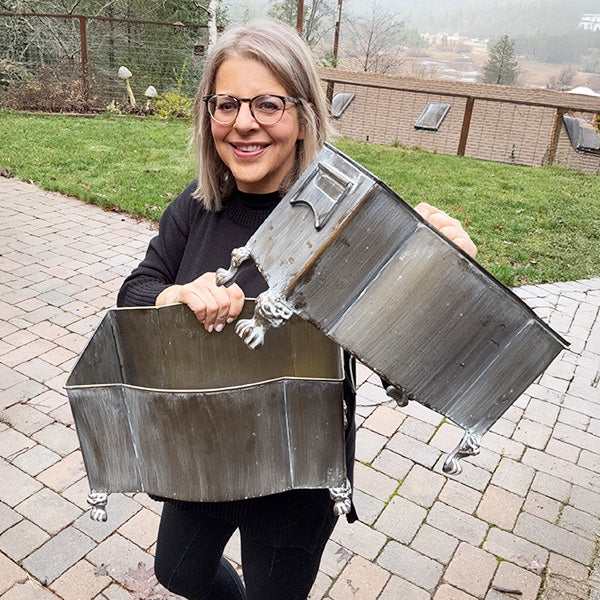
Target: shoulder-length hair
280 49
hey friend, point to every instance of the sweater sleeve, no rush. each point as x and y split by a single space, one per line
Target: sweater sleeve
158 270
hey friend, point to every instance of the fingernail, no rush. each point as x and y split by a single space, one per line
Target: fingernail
219 327
210 328
230 320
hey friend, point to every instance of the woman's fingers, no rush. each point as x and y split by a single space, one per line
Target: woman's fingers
213 306
448 226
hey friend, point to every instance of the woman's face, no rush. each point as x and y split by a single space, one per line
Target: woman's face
259 156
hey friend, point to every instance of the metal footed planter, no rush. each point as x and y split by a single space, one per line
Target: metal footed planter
162 406
346 253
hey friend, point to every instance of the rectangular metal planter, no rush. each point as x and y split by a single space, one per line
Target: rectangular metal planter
162 406
345 252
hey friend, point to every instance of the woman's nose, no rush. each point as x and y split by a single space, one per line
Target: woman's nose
245 119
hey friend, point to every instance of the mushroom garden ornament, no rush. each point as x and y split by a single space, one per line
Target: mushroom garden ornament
125 75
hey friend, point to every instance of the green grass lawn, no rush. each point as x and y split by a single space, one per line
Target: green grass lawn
532 225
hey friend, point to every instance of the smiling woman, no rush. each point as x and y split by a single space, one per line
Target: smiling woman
260 118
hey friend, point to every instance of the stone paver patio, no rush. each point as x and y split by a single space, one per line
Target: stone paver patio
523 515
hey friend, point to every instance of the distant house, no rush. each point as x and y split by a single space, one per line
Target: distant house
590 21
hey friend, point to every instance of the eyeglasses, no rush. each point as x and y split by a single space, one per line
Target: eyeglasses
267 109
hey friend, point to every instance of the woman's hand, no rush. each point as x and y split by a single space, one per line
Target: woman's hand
448 226
213 306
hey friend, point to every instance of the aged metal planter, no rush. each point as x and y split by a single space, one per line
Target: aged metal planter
162 406
344 252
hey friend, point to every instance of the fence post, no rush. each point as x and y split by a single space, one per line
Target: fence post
464 132
85 73
551 151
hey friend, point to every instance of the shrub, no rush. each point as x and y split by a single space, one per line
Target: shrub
11 70
173 105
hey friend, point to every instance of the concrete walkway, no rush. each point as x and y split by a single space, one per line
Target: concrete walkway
523 515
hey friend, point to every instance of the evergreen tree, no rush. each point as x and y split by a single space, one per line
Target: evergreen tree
501 66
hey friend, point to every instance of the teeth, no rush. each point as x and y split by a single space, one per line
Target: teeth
249 148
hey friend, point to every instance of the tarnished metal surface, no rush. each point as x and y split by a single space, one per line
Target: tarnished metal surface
344 252
162 406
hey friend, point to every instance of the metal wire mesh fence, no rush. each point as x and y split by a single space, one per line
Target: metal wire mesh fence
73 60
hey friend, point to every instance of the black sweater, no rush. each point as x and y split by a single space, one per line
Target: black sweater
192 241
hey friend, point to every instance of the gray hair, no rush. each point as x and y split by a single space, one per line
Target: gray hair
280 49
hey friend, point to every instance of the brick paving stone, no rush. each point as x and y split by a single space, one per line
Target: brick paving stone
471 570
503 445
410 565
373 394
368 445
29 590
48 510
590 460
534 435
457 523
460 496
585 500
233 549
447 437
80 582
22 539
360 580
48 401
422 486
64 473
573 418
541 506
25 418
400 589
413 449
434 543
57 555
542 412
392 464
39 370
115 592
8 517
25 353
13 443
562 450
509 576
579 522
560 468
367 507
63 440
551 486
78 493
335 558
384 420
447 592
516 549
63 415
499 507
142 528
420 430
9 377
565 567
513 476
373 482
20 392
576 437
119 555
16 485
120 509
418 411
401 519
321 585
145 500
10 573
358 538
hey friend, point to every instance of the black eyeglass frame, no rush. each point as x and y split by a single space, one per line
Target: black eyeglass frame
284 99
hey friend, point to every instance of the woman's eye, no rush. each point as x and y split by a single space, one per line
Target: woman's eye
268 106
227 106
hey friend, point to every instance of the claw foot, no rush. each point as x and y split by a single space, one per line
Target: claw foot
469 446
239 256
270 311
342 498
98 501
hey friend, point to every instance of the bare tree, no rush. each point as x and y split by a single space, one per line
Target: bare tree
317 19
373 42
564 80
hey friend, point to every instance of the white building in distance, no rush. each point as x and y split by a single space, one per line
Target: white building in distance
590 21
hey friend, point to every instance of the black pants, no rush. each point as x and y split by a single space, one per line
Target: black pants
189 562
